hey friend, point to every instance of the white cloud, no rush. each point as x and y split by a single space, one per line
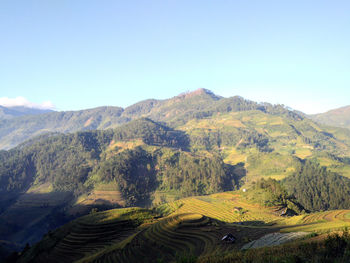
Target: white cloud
21 101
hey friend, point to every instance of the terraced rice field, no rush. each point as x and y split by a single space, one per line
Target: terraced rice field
32 208
175 234
89 238
193 226
222 207
232 156
179 234
90 235
320 221
102 195
303 152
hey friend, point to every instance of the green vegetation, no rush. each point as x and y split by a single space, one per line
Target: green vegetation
133 171
272 193
318 189
271 164
191 175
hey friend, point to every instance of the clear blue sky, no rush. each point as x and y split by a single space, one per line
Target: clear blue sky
82 54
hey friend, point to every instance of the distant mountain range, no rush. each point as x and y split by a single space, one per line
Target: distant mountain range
15 130
18 124
338 117
17 111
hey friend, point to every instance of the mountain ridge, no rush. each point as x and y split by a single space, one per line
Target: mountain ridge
339 117
17 111
174 110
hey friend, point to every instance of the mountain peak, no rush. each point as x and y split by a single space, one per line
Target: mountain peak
342 110
199 92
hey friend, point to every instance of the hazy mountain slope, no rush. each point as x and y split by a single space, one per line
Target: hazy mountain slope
13 112
17 130
338 117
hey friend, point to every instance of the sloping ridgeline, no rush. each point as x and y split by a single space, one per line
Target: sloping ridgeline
338 117
174 111
46 179
17 130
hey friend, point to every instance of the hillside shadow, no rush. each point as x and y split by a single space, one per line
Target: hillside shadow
31 215
84 209
238 172
172 138
7 199
253 223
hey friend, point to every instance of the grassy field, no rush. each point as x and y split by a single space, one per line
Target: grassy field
189 226
233 156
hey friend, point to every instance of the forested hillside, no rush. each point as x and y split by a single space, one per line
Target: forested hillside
133 162
318 189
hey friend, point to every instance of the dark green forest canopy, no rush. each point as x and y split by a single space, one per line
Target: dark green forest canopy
67 161
318 189
138 173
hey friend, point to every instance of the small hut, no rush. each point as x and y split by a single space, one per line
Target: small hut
229 238
237 209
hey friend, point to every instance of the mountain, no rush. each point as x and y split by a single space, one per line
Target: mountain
13 112
159 151
174 111
16 130
52 179
338 117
